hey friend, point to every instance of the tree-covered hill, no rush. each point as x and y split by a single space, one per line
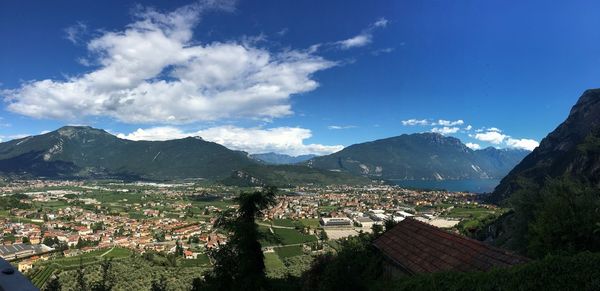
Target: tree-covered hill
421 156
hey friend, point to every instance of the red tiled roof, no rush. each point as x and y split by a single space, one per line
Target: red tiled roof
418 247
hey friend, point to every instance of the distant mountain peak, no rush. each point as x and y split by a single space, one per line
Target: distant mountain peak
281 159
70 130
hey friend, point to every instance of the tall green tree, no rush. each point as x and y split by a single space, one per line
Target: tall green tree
239 265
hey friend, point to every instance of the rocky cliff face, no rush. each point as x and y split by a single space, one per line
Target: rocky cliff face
573 149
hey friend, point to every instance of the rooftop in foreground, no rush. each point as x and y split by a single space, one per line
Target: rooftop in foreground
416 247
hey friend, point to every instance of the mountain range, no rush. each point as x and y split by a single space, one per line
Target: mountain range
420 156
281 159
86 152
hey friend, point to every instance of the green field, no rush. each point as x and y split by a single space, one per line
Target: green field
282 236
468 212
42 275
310 222
114 197
44 270
201 261
289 251
284 222
273 265
292 236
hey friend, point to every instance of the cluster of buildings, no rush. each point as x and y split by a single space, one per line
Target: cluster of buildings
83 224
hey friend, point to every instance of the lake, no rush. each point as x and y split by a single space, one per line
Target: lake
474 185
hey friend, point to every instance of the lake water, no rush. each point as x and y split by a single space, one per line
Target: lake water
475 186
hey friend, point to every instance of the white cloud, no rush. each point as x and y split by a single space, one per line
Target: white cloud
494 137
381 22
524 143
445 130
450 123
382 51
473 146
413 122
287 140
75 32
157 133
357 41
154 72
469 127
13 136
341 126
364 38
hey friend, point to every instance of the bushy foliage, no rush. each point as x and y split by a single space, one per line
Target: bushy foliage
559 218
579 272
356 266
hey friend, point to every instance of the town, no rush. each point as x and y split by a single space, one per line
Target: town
48 225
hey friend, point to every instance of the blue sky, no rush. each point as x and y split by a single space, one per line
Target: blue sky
297 76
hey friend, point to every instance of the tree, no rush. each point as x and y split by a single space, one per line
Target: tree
197 285
389 223
356 266
377 229
239 265
25 240
80 277
159 285
178 249
53 284
107 279
565 219
323 235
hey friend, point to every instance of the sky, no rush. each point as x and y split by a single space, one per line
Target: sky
297 77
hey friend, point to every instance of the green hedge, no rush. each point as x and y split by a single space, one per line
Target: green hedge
579 272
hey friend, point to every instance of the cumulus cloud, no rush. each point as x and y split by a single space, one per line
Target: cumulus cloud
468 127
445 130
523 143
473 146
287 140
154 72
413 122
494 137
364 38
450 123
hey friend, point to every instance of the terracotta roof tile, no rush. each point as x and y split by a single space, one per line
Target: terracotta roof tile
422 248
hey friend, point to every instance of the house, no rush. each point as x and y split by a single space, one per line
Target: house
188 254
414 247
336 221
25 265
